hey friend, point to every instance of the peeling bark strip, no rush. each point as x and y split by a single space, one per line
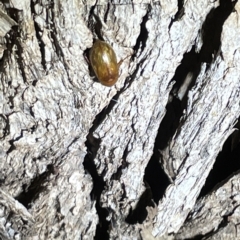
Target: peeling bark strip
75 155
5 23
205 218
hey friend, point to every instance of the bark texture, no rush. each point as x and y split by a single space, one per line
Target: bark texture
74 153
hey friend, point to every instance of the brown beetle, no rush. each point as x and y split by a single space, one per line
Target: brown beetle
104 63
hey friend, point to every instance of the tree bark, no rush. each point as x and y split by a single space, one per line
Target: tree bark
74 153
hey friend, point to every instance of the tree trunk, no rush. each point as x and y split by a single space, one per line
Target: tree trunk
80 160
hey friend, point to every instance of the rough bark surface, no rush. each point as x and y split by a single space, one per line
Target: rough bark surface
73 153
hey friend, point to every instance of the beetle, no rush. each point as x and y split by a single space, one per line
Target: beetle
104 63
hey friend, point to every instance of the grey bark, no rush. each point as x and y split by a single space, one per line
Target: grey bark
56 120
